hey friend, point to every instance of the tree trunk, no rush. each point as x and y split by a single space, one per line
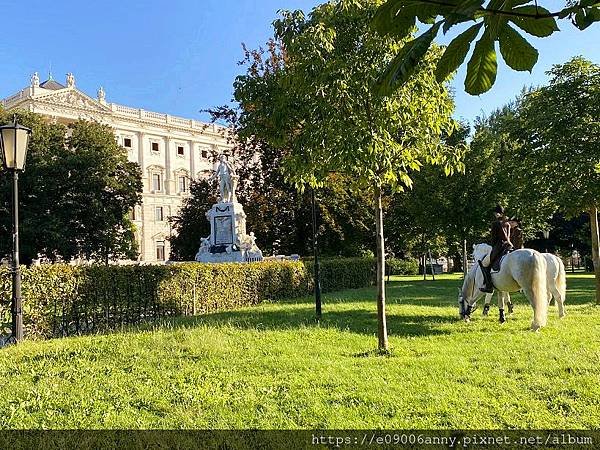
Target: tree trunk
382 326
595 249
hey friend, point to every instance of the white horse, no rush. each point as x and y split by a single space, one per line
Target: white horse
556 279
523 269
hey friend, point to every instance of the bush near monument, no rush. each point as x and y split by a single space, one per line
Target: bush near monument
62 300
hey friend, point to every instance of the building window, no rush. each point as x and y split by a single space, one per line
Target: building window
158 214
182 184
160 250
180 150
136 213
127 142
156 182
204 153
155 148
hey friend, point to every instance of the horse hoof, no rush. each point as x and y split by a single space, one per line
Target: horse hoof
510 308
486 310
467 319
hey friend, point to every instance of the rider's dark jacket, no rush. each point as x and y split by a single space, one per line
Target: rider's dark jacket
500 240
516 235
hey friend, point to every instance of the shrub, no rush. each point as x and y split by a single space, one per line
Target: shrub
395 266
62 300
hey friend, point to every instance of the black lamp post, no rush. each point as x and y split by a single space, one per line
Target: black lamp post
14 139
316 255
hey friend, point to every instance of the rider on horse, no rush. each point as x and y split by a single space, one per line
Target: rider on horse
516 233
501 245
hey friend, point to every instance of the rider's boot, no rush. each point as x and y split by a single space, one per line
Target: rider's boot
487 287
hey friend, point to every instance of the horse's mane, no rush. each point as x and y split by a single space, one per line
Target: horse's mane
480 251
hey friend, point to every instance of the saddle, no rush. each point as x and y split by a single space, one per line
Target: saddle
497 264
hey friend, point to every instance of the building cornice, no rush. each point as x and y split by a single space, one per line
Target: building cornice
76 103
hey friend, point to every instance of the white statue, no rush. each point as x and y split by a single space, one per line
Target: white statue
252 239
204 247
227 179
35 80
70 80
101 94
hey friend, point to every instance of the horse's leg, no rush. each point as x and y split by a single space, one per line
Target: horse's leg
509 304
501 298
487 303
559 296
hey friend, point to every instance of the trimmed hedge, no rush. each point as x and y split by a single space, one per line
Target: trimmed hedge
62 300
395 266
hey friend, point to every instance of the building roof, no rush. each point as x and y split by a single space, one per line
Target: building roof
51 84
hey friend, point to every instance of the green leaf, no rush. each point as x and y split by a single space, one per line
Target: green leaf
426 13
404 64
463 12
540 27
585 17
586 3
516 51
482 67
398 17
392 19
455 53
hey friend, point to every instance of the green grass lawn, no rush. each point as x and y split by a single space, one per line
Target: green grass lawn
272 366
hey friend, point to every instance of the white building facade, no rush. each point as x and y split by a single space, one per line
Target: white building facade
171 151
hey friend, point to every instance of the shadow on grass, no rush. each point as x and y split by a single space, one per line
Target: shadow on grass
348 310
358 320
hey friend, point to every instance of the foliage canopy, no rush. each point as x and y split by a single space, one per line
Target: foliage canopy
76 194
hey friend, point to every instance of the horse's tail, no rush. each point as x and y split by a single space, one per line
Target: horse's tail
539 291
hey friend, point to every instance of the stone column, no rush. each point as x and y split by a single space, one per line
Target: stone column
167 165
141 150
192 161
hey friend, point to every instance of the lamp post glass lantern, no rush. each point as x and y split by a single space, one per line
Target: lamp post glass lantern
14 140
546 234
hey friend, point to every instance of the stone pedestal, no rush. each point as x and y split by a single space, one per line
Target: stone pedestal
228 241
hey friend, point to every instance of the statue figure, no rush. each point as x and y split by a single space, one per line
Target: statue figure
252 240
204 247
101 95
35 80
226 174
70 80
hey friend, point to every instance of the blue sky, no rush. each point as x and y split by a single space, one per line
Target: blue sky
181 56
